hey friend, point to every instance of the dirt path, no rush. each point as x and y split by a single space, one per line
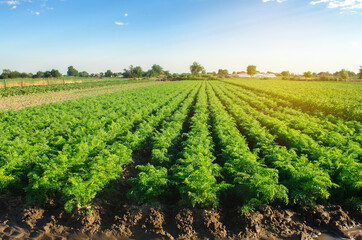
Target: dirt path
24 101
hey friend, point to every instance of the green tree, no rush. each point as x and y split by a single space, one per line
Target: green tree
308 74
15 74
251 70
138 71
196 69
25 75
352 74
108 73
343 74
127 73
223 72
167 73
39 74
83 74
47 74
155 71
133 72
55 73
5 74
360 72
72 72
285 73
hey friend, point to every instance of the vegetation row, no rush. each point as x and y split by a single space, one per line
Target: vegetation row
203 141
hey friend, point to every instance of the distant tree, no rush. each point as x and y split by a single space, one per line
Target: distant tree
138 71
47 74
352 74
360 72
157 70
223 72
167 73
127 73
133 72
314 74
5 73
55 73
251 70
343 74
196 69
72 72
14 74
24 75
285 73
108 73
308 74
39 74
84 74
325 74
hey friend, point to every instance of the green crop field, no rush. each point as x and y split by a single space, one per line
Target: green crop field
256 142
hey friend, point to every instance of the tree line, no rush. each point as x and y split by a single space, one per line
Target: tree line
196 70
131 72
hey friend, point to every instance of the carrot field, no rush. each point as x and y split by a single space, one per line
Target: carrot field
201 141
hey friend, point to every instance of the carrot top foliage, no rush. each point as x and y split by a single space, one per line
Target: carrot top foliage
200 142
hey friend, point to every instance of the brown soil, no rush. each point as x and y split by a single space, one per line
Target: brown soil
26 82
113 218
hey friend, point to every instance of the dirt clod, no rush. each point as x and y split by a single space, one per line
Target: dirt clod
109 220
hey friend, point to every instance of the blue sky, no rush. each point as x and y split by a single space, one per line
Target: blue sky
94 35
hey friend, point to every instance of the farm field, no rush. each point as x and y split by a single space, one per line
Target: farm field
70 84
189 159
26 82
35 99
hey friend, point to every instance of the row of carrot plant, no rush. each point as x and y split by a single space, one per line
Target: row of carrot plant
207 140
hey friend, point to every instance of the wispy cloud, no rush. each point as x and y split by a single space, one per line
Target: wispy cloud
10 2
42 4
121 23
342 4
34 12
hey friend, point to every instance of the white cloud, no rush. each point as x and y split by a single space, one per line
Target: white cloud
10 2
14 3
126 14
342 4
120 23
34 12
320 1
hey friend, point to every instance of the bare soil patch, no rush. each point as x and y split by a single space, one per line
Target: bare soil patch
24 101
115 218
